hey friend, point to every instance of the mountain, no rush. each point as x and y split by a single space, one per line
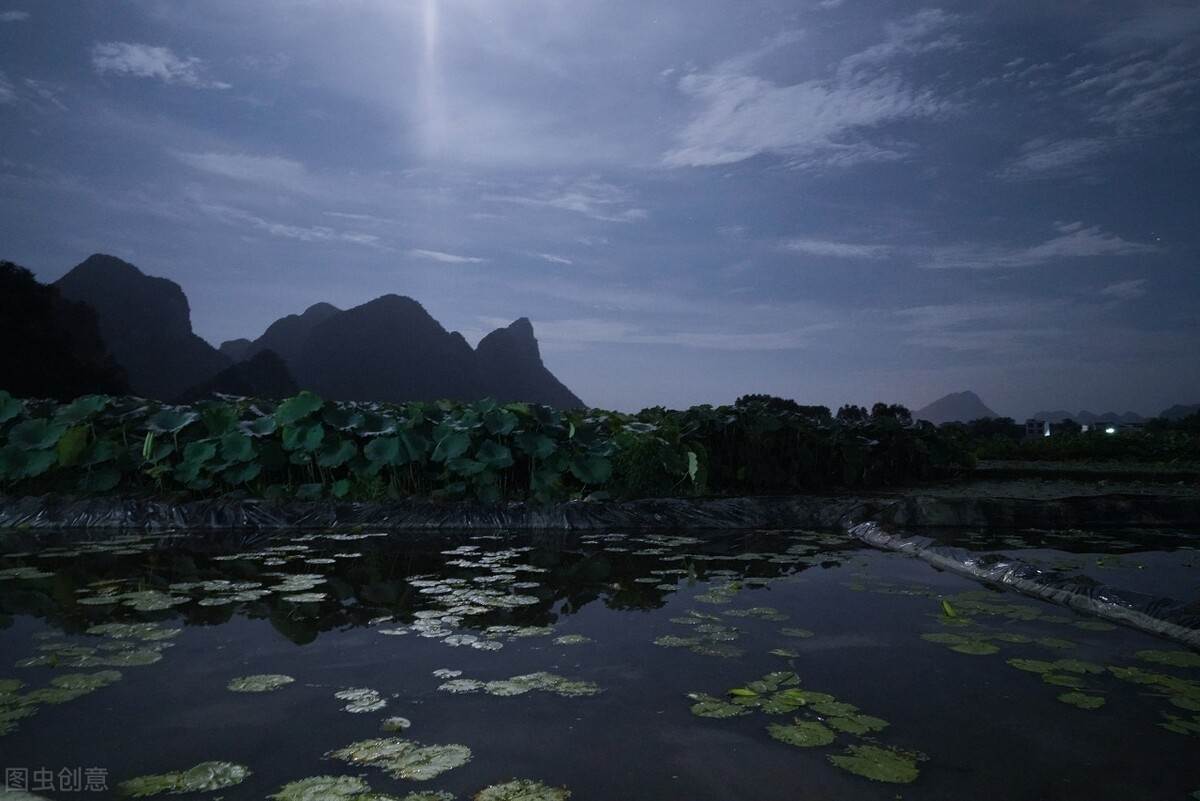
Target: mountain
286 336
1086 417
1180 411
388 349
263 375
511 368
960 407
147 325
53 347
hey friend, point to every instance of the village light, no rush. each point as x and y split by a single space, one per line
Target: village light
1110 430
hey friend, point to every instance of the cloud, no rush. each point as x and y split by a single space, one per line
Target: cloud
312 234
573 333
550 257
260 170
591 197
1133 92
837 250
1074 241
147 61
444 258
8 94
1125 290
1049 158
814 123
14 16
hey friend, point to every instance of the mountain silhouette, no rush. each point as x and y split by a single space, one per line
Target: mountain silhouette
957 407
1087 418
511 368
53 346
286 336
147 325
263 375
388 349
1180 411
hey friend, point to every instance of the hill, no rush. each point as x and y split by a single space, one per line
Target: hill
960 407
146 323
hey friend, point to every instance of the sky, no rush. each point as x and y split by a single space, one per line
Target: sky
838 201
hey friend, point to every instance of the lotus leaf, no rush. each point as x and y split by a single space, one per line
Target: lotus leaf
171 421
1082 700
235 447
336 453
802 733
259 683
405 759
522 790
451 446
203 777
305 438
72 445
323 788
879 763
361 699
32 435
10 407
1179 659
295 409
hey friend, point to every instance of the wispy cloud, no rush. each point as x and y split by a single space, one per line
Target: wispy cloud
8 94
1074 241
1053 158
301 233
272 171
550 257
1136 91
130 59
590 197
1125 290
814 123
14 16
837 250
444 258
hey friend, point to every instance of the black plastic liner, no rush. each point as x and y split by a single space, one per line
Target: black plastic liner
779 512
1161 616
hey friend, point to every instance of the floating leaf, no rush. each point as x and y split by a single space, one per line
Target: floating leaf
878 763
323 788
802 733
202 778
259 683
405 759
1179 659
360 699
1082 700
522 790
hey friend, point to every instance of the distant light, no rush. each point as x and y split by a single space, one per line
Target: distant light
1110 430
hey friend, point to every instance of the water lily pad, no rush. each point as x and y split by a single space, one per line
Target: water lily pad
572 639
1082 700
707 706
405 759
878 763
802 733
395 724
794 632
522 790
1180 659
360 699
204 777
323 788
857 723
259 683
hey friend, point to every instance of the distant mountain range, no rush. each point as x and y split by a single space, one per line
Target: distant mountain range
388 349
957 407
963 407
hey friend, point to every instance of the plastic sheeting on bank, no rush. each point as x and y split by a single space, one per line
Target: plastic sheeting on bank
1161 616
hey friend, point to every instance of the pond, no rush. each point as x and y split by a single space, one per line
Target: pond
755 665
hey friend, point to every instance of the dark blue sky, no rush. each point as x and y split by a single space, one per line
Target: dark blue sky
835 200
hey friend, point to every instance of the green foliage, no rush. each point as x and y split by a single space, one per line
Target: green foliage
308 448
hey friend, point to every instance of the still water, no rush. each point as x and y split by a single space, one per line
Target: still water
757 665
